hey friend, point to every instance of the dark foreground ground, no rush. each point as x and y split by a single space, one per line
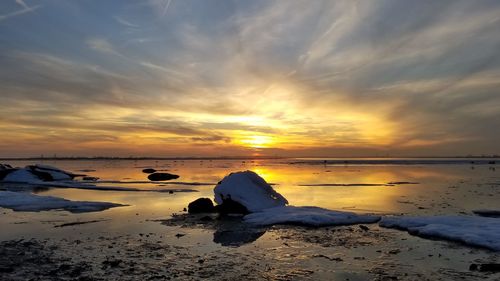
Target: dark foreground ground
286 253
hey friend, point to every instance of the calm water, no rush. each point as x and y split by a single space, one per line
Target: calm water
280 252
440 189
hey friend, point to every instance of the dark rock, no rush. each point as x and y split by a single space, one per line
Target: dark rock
487 213
162 177
473 267
149 170
179 235
492 162
230 206
490 267
90 178
364 227
201 205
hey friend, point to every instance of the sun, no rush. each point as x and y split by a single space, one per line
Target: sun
257 141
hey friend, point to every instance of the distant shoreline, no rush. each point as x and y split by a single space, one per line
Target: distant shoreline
241 158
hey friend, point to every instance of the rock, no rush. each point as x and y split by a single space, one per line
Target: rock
201 205
248 190
162 177
230 206
90 178
364 227
490 267
149 171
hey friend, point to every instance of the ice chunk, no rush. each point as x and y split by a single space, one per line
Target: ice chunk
475 231
248 189
55 173
21 175
35 174
23 201
312 216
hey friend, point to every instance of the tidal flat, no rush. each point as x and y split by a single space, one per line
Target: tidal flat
150 236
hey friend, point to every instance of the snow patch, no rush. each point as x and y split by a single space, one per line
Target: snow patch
311 216
470 230
250 190
27 202
21 175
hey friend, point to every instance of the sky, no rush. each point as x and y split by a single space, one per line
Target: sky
249 78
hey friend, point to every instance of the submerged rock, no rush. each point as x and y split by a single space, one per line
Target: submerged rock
201 205
162 177
246 192
149 171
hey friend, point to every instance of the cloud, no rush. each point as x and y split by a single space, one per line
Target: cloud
102 45
337 76
125 22
25 9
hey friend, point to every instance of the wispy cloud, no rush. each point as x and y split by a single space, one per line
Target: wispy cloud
25 9
125 22
102 45
314 77
166 6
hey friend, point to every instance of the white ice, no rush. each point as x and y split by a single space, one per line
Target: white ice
471 230
26 176
250 190
21 175
23 201
311 216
